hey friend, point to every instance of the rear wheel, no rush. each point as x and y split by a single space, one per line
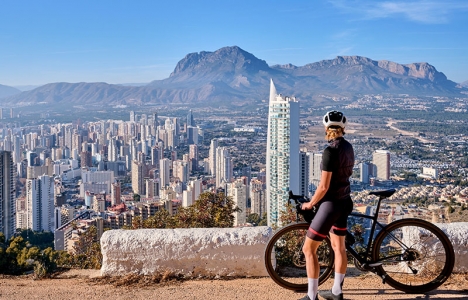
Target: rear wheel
416 255
285 261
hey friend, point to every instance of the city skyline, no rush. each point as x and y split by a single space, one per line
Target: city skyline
126 42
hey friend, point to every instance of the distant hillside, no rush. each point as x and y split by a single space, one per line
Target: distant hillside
464 84
6 91
231 75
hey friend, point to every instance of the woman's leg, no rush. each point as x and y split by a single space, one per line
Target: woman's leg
341 262
310 251
338 245
312 266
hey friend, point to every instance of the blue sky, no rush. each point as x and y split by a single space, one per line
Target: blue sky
139 41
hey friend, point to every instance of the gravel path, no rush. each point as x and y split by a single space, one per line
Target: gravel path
76 284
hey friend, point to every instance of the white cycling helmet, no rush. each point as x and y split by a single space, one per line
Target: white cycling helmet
334 118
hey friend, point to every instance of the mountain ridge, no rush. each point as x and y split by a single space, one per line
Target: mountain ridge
6 91
233 75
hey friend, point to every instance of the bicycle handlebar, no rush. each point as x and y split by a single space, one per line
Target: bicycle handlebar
297 198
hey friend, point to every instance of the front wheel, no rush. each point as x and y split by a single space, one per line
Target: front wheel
415 255
285 261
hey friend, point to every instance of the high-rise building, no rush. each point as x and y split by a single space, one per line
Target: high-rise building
40 203
381 160
156 155
138 185
112 154
282 157
315 169
257 197
155 120
115 193
86 159
180 169
365 172
164 172
152 187
304 174
190 121
238 192
192 135
212 156
7 195
16 149
193 157
224 167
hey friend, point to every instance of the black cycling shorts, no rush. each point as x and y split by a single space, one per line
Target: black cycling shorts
331 216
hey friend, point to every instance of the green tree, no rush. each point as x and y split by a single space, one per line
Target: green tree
254 219
3 255
87 252
264 220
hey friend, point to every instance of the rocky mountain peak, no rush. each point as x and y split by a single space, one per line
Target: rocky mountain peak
226 59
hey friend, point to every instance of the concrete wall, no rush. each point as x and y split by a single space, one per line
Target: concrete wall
194 252
458 235
213 251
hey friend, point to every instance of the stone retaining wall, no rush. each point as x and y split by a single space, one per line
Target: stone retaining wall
213 251
194 252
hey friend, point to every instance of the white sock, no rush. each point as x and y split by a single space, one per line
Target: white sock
336 289
312 288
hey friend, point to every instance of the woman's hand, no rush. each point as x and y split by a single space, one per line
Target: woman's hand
307 206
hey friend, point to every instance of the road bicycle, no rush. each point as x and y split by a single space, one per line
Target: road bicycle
411 255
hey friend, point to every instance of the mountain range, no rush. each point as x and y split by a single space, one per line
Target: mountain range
231 75
6 91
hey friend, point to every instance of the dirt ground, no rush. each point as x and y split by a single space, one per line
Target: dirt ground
86 284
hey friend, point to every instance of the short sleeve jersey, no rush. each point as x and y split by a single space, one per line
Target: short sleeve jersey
338 158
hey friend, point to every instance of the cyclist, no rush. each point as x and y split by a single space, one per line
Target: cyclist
334 204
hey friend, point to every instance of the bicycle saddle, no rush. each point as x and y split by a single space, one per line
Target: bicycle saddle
384 194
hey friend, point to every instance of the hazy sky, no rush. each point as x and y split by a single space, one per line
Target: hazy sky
139 41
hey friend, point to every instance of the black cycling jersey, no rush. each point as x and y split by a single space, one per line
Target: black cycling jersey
338 158
335 207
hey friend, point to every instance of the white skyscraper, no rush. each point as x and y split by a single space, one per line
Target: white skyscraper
112 154
224 168
40 203
381 160
212 156
282 159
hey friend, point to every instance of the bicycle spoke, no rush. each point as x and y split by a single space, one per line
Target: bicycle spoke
414 254
285 260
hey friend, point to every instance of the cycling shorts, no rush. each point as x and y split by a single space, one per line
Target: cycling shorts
331 216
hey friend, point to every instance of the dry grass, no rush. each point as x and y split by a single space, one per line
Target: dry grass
165 278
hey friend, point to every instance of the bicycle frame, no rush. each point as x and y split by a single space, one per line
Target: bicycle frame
364 260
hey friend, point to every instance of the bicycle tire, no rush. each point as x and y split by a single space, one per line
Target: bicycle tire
416 255
282 258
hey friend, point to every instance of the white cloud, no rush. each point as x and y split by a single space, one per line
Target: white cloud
423 11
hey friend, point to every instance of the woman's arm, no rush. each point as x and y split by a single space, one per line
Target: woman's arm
322 189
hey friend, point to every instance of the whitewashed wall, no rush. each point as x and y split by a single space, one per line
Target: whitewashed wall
213 251
458 235
201 251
